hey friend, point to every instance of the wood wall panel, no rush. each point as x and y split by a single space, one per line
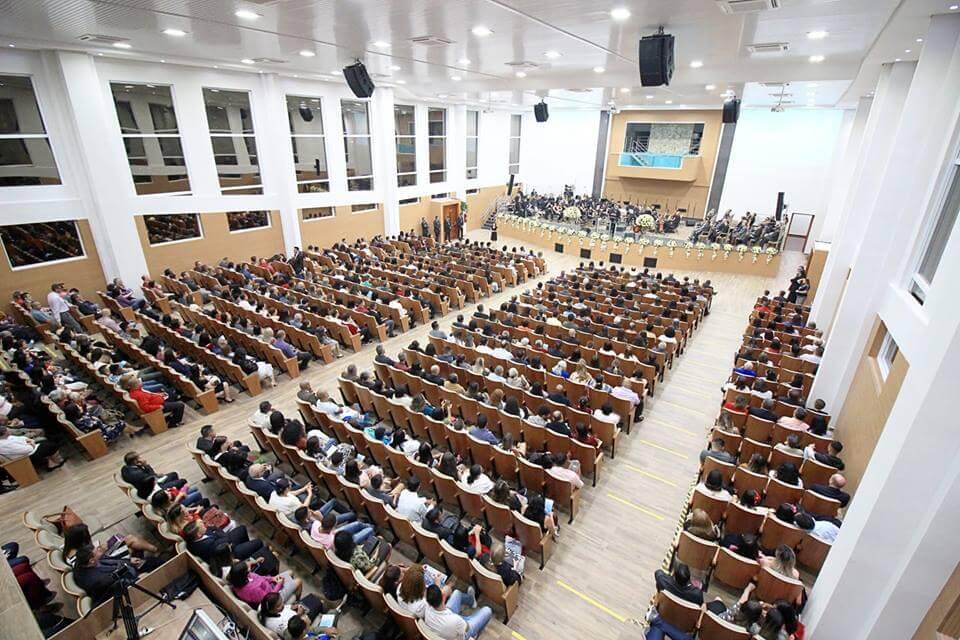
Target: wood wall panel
477 204
217 242
85 273
410 215
345 225
866 407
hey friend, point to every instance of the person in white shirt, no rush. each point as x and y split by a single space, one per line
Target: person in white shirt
108 322
443 617
606 414
261 417
502 352
496 375
43 454
826 530
60 308
286 501
814 357
475 480
412 505
624 391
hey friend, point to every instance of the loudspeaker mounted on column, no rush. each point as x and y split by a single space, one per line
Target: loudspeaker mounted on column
731 111
540 111
656 59
359 80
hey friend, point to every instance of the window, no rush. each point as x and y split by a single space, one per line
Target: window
404 117
26 159
38 243
362 208
309 144
176 227
695 139
473 142
316 213
234 143
470 192
151 138
407 201
440 196
940 232
514 166
437 144
246 220
885 356
356 143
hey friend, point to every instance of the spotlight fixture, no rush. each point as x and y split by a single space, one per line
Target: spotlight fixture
520 74
247 61
176 33
481 31
598 69
400 81
624 90
817 58
620 13
306 53
696 64
710 87
456 78
380 44
552 55
817 35
919 39
394 67
648 97
123 45
464 61
245 14
668 102
906 50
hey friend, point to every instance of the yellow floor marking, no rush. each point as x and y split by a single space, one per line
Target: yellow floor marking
592 601
652 514
670 451
670 426
686 408
517 635
649 475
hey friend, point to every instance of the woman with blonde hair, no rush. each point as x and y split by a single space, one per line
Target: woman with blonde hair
784 562
517 381
477 367
582 374
699 524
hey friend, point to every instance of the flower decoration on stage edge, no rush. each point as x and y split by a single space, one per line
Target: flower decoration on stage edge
628 240
643 242
582 234
571 213
658 242
646 222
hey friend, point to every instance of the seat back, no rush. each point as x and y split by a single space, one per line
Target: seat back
448 491
776 532
815 472
726 469
372 592
715 507
499 516
758 429
481 452
740 519
506 465
780 492
472 504
400 526
429 544
813 552
771 587
734 570
696 553
714 628
680 613
492 588
532 476
457 562
405 620
813 502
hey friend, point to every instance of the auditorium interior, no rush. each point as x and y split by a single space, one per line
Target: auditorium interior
496 319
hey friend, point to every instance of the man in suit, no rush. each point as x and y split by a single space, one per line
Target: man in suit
202 541
207 436
765 411
559 396
141 475
382 357
679 584
834 489
94 574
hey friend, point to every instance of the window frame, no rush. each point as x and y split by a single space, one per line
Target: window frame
406 202
476 138
323 144
442 172
333 214
269 224
407 137
371 206
170 242
33 136
513 167
239 189
369 137
918 285
886 354
83 246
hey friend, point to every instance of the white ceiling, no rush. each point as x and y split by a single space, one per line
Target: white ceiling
862 35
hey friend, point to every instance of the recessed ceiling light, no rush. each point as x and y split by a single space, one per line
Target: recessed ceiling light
816 58
306 53
481 31
13 46
441 95
162 60
335 72
177 33
456 78
669 102
620 13
245 14
683 106
898 59
710 87
954 7
696 64
598 69
648 97
400 81
247 61
553 55
123 45
919 39
394 67
520 74
906 50
99 54
817 35
380 44
215 90
463 61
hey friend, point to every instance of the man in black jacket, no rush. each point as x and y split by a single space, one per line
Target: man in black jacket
833 490
142 476
765 411
679 584
202 541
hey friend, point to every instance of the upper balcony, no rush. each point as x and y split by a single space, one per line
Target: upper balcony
654 166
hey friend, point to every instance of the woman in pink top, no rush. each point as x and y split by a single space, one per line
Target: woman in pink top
252 587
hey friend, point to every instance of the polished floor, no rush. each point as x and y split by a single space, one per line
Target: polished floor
598 583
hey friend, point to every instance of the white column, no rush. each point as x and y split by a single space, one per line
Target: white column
276 151
825 227
457 152
384 130
881 127
113 227
897 546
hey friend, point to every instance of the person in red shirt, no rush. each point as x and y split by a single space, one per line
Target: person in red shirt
149 401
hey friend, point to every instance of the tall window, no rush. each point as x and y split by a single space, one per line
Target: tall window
26 158
356 143
939 235
151 138
404 117
473 142
41 242
308 142
437 143
234 143
174 227
515 121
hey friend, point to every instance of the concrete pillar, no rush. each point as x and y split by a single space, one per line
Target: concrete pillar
881 126
897 546
383 127
278 156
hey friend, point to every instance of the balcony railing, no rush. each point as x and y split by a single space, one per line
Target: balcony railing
656 160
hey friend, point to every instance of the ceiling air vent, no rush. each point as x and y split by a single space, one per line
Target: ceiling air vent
96 38
775 85
522 64
735 7
768 47
431 41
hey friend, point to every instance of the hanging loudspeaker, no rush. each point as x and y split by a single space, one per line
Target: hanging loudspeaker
305 113
731 111
540 111
656 59
359 80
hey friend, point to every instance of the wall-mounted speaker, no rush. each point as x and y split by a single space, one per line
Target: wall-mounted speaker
731 111
656 59
510 185
306 114
540 111
359 80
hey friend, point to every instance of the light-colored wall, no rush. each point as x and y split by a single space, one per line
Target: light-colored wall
791 152
560 151
479 202
410 215
83 273
345 225
691 194
944 613
217 242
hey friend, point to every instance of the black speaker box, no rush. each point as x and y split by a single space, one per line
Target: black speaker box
540 111
510 185
306 114
359 80
731 111
656 60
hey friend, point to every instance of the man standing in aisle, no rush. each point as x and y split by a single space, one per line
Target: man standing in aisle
60 309
436 228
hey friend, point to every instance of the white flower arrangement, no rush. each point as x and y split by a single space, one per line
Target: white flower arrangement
629 240
643 242
605 237
646 222
715 246
742 248
755 250
771 251
673 244
658 242
700 245
582 234
728 247
688 245
571 213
